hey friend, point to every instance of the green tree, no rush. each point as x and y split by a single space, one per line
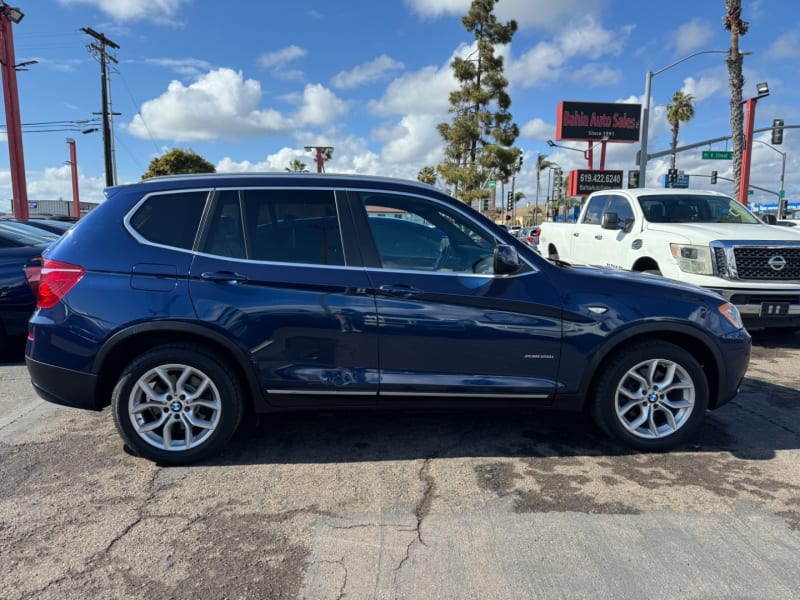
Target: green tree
297 166
680 111
178 162
427 175
480 136
542 164
734 23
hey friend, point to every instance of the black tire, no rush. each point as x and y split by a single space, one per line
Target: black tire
651 363
192 427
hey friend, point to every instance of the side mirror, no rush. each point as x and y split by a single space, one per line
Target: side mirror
770 219
610 220
506 260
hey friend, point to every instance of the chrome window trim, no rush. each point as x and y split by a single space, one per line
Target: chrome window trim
140 239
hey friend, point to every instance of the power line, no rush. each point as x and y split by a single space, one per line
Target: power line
138 109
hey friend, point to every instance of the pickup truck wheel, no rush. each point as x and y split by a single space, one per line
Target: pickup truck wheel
652 396
175 405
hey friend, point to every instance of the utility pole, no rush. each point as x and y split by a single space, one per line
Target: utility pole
322 153
19 190
99 50
73 162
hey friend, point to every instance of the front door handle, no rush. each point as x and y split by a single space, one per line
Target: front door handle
598 237
406 291
223 277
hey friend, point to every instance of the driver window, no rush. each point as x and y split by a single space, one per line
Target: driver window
418 234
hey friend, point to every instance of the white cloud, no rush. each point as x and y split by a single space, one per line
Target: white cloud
786 45
537 129
594 75
159 11
425 91
703 88
184 66
538 66
586 37
319 106
366 72
222 104
691 36
413 140
281 57
527 13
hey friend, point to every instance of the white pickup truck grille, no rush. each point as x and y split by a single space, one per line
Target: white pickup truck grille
746 261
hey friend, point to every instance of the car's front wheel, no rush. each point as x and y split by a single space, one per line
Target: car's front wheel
651 396
176 405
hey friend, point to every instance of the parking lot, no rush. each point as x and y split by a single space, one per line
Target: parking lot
408 505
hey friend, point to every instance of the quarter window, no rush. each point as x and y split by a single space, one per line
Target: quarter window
170 219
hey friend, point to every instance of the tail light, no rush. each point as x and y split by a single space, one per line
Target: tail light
33 272
55 280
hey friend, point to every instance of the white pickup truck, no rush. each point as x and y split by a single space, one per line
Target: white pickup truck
701 237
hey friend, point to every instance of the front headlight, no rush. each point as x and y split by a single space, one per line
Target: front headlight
731 313
692 259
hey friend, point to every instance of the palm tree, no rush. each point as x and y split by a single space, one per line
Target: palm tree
541 164
734 24
427 175
680 111
297 166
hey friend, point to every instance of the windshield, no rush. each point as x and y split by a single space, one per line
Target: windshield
694 208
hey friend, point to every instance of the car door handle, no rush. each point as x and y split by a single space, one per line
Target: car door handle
575 234
223 277
406 291
598 237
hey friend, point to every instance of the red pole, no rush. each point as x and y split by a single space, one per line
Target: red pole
319 159
73 161
590 155
749 125
602 155
13 123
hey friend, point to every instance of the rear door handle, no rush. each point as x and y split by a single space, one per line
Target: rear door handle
223 277
406 291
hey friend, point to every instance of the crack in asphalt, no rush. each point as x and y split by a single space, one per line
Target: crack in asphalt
89 563
342 588
423 506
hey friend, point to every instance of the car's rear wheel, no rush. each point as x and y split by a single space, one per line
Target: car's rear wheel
176 405
651 396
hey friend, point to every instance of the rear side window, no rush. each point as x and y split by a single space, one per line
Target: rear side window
276 225
170 219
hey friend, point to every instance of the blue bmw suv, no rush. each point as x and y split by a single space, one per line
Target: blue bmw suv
188 302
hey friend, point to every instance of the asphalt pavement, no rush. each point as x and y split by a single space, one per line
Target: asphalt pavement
408 505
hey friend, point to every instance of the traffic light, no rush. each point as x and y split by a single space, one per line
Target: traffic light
777 132
783 211
633 179
713 177
510 201
485 204
672 176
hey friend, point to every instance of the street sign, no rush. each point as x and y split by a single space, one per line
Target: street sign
782 194
491 183
681 182
717 154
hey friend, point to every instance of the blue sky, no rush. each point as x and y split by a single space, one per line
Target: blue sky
248 84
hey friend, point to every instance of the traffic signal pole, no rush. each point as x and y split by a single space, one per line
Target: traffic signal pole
747 154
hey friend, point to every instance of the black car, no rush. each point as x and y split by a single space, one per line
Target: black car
21 247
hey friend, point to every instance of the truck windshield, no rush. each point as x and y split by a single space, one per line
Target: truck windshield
694 208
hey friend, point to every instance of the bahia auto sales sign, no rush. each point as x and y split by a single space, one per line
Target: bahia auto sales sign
597 121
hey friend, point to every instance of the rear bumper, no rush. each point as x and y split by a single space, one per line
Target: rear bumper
64 386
